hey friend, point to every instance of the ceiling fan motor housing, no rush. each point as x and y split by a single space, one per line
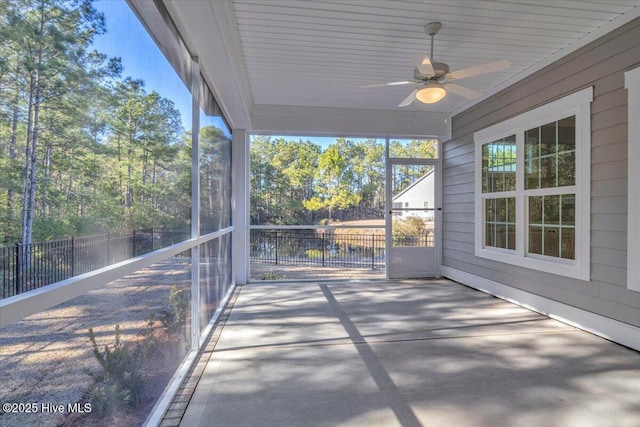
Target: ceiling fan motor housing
440 68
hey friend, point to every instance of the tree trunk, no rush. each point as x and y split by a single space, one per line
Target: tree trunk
29 200
13 142
26 193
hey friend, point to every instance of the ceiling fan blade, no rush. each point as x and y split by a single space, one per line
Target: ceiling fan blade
462 91
408 100
478 69
423 64
405 82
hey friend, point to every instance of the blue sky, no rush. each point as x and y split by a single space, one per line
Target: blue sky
126 38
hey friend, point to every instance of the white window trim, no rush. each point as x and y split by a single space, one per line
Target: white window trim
632 84
578 104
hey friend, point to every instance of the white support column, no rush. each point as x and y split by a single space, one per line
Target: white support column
241 205
632 84
195 202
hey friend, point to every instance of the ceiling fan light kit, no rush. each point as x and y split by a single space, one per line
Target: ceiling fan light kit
431 93
434 79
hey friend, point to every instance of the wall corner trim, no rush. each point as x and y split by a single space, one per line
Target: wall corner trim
610 329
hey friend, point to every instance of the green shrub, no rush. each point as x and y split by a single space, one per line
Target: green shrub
179 306
120 384
272 275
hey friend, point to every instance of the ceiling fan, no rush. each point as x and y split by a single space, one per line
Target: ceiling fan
434 78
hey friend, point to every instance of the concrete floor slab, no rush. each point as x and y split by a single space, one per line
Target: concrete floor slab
407 353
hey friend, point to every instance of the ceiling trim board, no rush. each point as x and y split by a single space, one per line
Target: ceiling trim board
330 121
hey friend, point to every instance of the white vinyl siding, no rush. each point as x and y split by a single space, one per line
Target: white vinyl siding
550 228
632 84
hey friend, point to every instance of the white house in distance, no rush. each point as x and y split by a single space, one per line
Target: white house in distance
419 195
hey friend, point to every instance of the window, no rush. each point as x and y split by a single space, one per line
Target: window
533 188
397 205
498 182
632 83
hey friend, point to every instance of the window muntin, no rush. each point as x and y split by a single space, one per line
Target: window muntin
552 171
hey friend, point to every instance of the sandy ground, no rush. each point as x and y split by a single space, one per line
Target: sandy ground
44 358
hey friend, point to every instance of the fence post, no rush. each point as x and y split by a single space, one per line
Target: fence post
373 251
73 256
323 248
18 275
276 233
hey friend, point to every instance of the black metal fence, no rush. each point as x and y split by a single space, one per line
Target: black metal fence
27 267
317 248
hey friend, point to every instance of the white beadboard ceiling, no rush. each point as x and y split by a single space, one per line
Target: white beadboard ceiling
317 53
296 66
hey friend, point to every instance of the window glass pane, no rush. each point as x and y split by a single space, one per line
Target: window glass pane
535 240
568 209
490 210
511 237
548 139
548 172
501 210
511 210
414 148
532 173
215 174
551 209
490 233
532 158
532 143
567 169
568 240
500 223
535 210
551 245
485 168
501 236
567 134
499 157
